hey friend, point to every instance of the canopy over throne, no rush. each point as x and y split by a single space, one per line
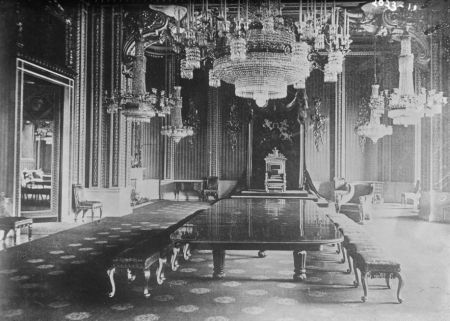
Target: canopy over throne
275 180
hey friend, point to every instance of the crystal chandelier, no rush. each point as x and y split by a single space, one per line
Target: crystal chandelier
137 104
255 49
176 129
405 107
322 27
263 60
373 129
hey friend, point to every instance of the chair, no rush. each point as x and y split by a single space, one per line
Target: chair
357 202
413 196
210 187
80 204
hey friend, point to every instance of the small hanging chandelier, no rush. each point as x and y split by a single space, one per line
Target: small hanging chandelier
373 129
176 130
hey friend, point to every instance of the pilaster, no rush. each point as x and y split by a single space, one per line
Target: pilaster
79 110
96 142
340 121
214 130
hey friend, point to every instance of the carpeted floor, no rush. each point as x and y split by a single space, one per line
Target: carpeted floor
63 277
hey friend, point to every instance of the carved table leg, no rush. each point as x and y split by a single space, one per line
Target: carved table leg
160 271
261 253
401 283
364 285
349 261
299 265
110 273
147 279
219 263
186 252
16 235
387 277
338 250
344 251
356 282
174 259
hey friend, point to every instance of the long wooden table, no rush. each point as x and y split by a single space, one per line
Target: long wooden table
296 225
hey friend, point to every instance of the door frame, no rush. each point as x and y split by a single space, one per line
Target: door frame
61 184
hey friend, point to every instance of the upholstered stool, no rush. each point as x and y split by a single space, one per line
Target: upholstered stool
374 263
140 258
14 223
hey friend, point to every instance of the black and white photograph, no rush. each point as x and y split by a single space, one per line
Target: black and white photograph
219 160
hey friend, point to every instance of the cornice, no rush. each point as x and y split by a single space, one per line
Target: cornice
45 64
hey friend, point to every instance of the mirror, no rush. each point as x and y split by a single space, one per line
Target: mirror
41 100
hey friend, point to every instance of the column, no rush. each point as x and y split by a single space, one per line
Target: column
339 145
301 171
80 91
250 151
95 97
433 200
214 130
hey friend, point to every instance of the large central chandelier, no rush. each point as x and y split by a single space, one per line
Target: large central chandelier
256 49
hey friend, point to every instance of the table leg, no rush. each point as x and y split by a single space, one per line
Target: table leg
15 235
219 263
349 270
174 258
147 279
364 275
110 273
400 286
160 271
29 232
299 265
343 250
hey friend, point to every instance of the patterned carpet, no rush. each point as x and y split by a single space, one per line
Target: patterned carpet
63 277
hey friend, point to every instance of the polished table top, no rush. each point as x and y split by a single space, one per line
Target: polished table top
262 221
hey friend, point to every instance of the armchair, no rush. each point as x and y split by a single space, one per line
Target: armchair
413 196
356 202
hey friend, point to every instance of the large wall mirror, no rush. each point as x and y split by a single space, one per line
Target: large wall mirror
44 101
